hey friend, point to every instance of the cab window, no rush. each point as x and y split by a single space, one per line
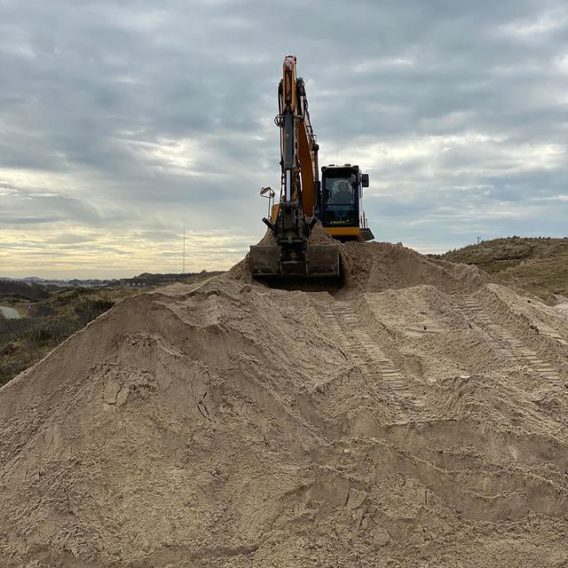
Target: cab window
340 191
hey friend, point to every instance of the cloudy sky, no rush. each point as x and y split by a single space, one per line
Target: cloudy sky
124 123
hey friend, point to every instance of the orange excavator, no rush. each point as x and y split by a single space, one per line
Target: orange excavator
305 200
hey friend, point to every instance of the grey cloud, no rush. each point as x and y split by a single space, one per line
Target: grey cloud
100 92
26 207
69 239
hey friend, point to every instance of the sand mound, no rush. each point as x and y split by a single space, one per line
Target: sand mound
418 420
374 267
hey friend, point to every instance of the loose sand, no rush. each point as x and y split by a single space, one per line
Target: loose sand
416 418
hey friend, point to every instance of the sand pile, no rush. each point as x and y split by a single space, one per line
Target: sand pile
377 266
417 418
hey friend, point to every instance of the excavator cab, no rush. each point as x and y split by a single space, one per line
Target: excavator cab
339 203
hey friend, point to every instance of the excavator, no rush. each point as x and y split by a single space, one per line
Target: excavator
305 200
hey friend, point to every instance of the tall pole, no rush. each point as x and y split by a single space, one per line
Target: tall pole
183 270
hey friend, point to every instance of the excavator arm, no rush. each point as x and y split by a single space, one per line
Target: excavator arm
298 146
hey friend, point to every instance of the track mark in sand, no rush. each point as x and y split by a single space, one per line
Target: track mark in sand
343 323
508 346
551 333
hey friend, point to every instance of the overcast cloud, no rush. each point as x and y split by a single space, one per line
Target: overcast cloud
122 123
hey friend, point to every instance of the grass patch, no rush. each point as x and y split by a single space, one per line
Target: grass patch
536 265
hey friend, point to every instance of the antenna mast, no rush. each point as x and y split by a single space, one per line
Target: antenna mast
183 269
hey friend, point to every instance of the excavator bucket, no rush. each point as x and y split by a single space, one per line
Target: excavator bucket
320 261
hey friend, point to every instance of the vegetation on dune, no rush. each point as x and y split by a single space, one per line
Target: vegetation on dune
49 322
536 265
52 315
19 290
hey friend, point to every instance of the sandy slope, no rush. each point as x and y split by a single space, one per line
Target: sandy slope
416 418
9 313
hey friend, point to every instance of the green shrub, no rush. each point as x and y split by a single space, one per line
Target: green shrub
88 309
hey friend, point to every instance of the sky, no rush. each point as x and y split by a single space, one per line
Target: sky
124 124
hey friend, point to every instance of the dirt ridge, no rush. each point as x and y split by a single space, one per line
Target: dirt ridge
417 417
